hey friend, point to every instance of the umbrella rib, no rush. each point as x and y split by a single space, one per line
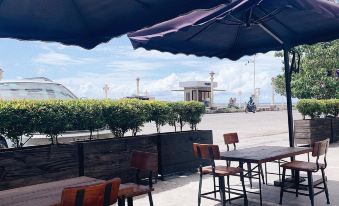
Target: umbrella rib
278 21
203 29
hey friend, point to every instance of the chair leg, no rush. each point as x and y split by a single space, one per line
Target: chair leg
214 187
199 193
249 173
282 185
150 199
296 182
325 185
243 188
261 172
310 187
121 201
130 201
229 189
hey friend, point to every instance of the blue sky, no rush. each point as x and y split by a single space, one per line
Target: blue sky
85 72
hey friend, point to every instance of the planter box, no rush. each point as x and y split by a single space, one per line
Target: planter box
37 164
102 159
335 129
312 130
175 151
109 158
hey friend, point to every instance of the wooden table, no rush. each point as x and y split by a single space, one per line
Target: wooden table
45 194
262 155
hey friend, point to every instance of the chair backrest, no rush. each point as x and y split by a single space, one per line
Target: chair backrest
144 161
102 194
231 138
207 151
320 148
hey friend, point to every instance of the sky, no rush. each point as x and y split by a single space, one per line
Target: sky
117 64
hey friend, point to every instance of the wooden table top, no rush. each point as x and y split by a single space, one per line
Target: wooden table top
45 194
263 154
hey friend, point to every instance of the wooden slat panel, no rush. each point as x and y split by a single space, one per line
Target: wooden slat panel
35 165
106 159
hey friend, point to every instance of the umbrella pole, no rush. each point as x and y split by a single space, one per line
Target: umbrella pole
288 96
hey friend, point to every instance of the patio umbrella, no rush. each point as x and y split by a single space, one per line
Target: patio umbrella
246 27
87 23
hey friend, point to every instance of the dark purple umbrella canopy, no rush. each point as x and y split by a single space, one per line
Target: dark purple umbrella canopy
244 27
87 23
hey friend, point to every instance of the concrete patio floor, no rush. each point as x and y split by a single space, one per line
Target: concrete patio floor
263 128
182 190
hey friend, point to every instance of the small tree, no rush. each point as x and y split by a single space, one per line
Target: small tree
173 116
193 112
87 115
317 78
159 113
52 118
15 121
122 116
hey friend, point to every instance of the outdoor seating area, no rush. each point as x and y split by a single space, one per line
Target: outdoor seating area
137 150
207 187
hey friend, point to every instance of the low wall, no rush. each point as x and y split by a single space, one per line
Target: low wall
102 159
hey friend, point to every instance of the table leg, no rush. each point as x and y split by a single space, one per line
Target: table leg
222 190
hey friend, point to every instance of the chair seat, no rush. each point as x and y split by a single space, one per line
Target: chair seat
132 190
302 166
222 170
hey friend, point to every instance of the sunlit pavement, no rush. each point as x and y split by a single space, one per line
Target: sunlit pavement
264 128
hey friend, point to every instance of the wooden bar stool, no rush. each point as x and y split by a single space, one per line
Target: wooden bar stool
233 139
210 153
143 162
318 149
102 194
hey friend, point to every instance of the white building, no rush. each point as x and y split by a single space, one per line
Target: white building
197 90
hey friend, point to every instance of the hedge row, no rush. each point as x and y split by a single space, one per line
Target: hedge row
314 108
28 117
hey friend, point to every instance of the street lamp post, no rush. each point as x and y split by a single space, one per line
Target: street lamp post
212 95
138 86
106 89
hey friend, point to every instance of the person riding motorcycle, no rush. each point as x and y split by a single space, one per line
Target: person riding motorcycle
250 107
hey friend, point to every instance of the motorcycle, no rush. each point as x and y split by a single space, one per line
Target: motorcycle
250 107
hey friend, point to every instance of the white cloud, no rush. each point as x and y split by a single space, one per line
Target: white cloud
59 59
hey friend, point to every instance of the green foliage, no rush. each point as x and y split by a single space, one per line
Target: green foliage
191 112
318 108
158 112
15 121
87 115
54 117
317 76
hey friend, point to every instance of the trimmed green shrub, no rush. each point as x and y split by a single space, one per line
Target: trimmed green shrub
123 115
158 112
16 121
314 108
54 117
87 115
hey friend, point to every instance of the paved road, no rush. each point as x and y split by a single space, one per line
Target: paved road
253 129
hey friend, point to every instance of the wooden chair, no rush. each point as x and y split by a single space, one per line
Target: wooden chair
103 194
210 153
233 139
143 162
318 149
